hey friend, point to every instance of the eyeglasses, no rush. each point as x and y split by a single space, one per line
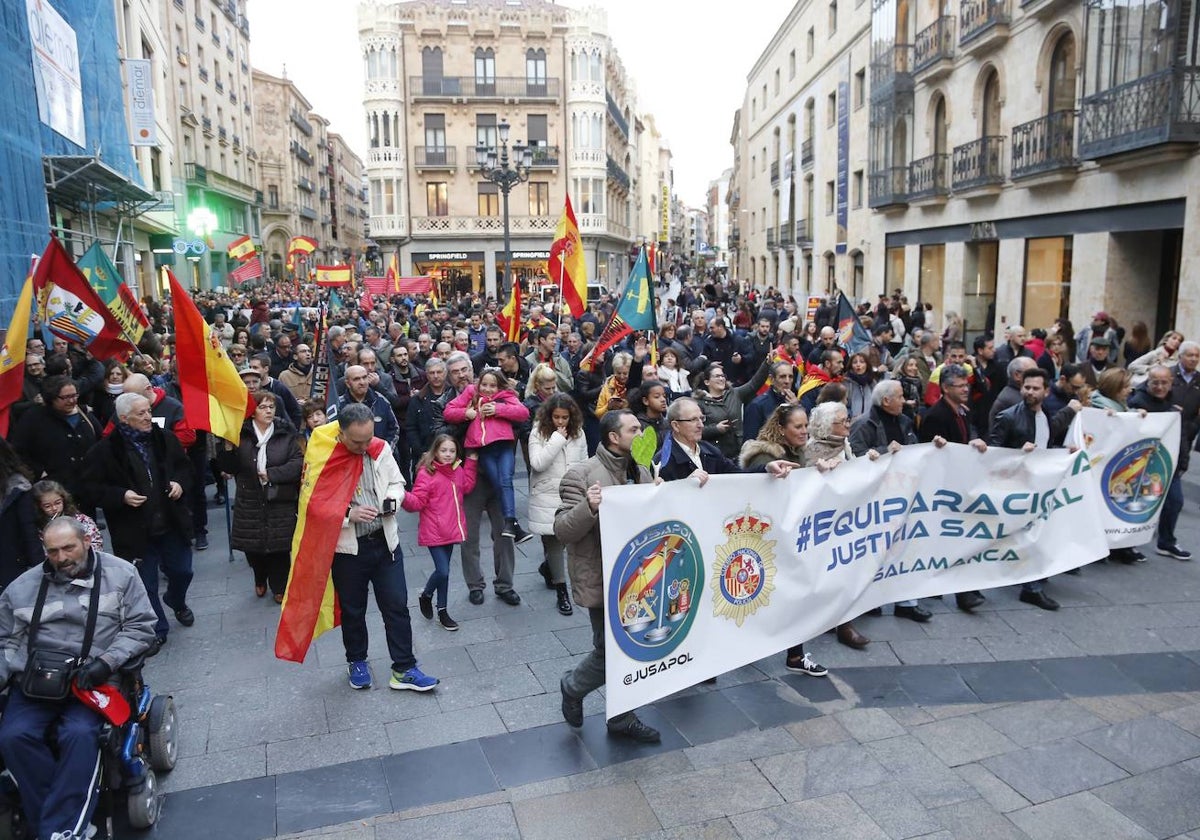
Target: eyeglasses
699 419
67 397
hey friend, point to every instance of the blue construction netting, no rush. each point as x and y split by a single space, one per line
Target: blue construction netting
24 216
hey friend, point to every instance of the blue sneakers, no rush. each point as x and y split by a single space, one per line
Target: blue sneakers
360 674
412 680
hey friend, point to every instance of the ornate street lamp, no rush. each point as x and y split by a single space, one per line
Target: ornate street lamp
505 175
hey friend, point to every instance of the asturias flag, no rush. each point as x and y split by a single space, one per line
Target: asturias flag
71 309
12 355
509 318
568 264
310 608
214 396
634 312
102 274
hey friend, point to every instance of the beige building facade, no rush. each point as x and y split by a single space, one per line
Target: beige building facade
1037 160
798 215
443 78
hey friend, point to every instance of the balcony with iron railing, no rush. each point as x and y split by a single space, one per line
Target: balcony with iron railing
617 174
1044 145
615 115
305 184
891 72
933 52
774 172
200 25
803 234
469 87
206 125
307 212
301 123
219 85
301 152
1161 108
787 235
202 72
544 157
806 154
977 164
983 24
929 177
435 157
888 187
223 136
772 245
214 180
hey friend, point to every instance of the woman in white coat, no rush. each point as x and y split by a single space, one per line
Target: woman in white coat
556 443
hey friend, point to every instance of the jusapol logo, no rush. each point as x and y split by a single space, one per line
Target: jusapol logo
655 582
1136 479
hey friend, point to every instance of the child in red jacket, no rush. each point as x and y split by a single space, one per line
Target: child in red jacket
493 412
442 480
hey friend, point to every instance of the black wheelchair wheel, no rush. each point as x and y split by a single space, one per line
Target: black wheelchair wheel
142 802
161 723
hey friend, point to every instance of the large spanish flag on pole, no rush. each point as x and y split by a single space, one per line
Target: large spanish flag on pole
214 396
310 608
12 355
568 265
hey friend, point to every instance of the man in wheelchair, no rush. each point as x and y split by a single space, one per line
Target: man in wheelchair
75 619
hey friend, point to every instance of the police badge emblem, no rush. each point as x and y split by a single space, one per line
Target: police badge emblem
744 571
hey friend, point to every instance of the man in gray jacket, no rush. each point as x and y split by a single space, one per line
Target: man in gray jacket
58 792
577 526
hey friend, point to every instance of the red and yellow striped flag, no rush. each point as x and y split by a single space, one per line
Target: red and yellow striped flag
241 248
214 396
509 318
12 355
310 607
568 264
333 275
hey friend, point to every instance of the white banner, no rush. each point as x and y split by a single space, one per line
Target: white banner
699 581
143 130
56 71
1133 462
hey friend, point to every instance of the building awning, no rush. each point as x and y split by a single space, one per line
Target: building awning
84 182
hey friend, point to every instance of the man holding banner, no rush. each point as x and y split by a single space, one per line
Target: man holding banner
1153 396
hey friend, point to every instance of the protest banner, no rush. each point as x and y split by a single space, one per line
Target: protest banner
699 581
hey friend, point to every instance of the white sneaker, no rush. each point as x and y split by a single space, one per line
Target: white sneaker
807 666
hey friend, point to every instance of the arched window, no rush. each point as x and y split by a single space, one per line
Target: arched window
989 106
535 72
939 126
597 67
431 70
485 72
1060 92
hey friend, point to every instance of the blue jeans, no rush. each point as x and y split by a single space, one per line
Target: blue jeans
439 581
1172 507
173 555
497 460
382 569
58 792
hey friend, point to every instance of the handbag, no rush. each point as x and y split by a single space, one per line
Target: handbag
48 673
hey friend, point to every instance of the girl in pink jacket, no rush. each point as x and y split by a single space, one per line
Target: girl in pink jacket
442 480
492 411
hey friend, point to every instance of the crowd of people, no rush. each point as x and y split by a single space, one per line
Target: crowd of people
437 406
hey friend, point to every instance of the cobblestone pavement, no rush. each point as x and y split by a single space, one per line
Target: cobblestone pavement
1009 723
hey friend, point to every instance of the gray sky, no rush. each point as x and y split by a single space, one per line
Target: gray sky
692 80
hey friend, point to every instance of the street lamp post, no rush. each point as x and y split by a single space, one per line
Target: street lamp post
505 175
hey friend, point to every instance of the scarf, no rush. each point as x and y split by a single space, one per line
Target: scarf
116 389
301 369
864 379
140 441
261 458
821 449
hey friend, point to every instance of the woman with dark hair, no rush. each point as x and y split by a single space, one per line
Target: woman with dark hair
1137 343
649 404
267 465
1062 326
722 405
115 375
555 444
20 546
860 380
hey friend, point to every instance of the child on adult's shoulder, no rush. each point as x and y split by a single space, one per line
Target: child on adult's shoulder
442 479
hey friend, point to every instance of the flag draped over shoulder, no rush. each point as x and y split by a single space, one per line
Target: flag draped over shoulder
310 608
110 286
509 318
634 312
851 333
568 264
214 396
71 309
12 355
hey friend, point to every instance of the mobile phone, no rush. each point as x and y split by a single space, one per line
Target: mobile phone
389 506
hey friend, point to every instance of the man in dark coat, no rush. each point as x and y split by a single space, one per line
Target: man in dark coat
139 474
1156 395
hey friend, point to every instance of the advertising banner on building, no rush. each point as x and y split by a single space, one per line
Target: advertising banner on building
56 71
664 232
702 580
143 130
843 158
1133 462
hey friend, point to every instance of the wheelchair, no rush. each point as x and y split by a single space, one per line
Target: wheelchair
131 756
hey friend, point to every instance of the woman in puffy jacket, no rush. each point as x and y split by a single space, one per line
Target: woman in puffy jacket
493 413
442 480
555 444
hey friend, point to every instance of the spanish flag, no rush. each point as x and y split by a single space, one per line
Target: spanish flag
509 318
241 249
12 355
310 607
214 396
334 275
301 245
393 272
568 265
